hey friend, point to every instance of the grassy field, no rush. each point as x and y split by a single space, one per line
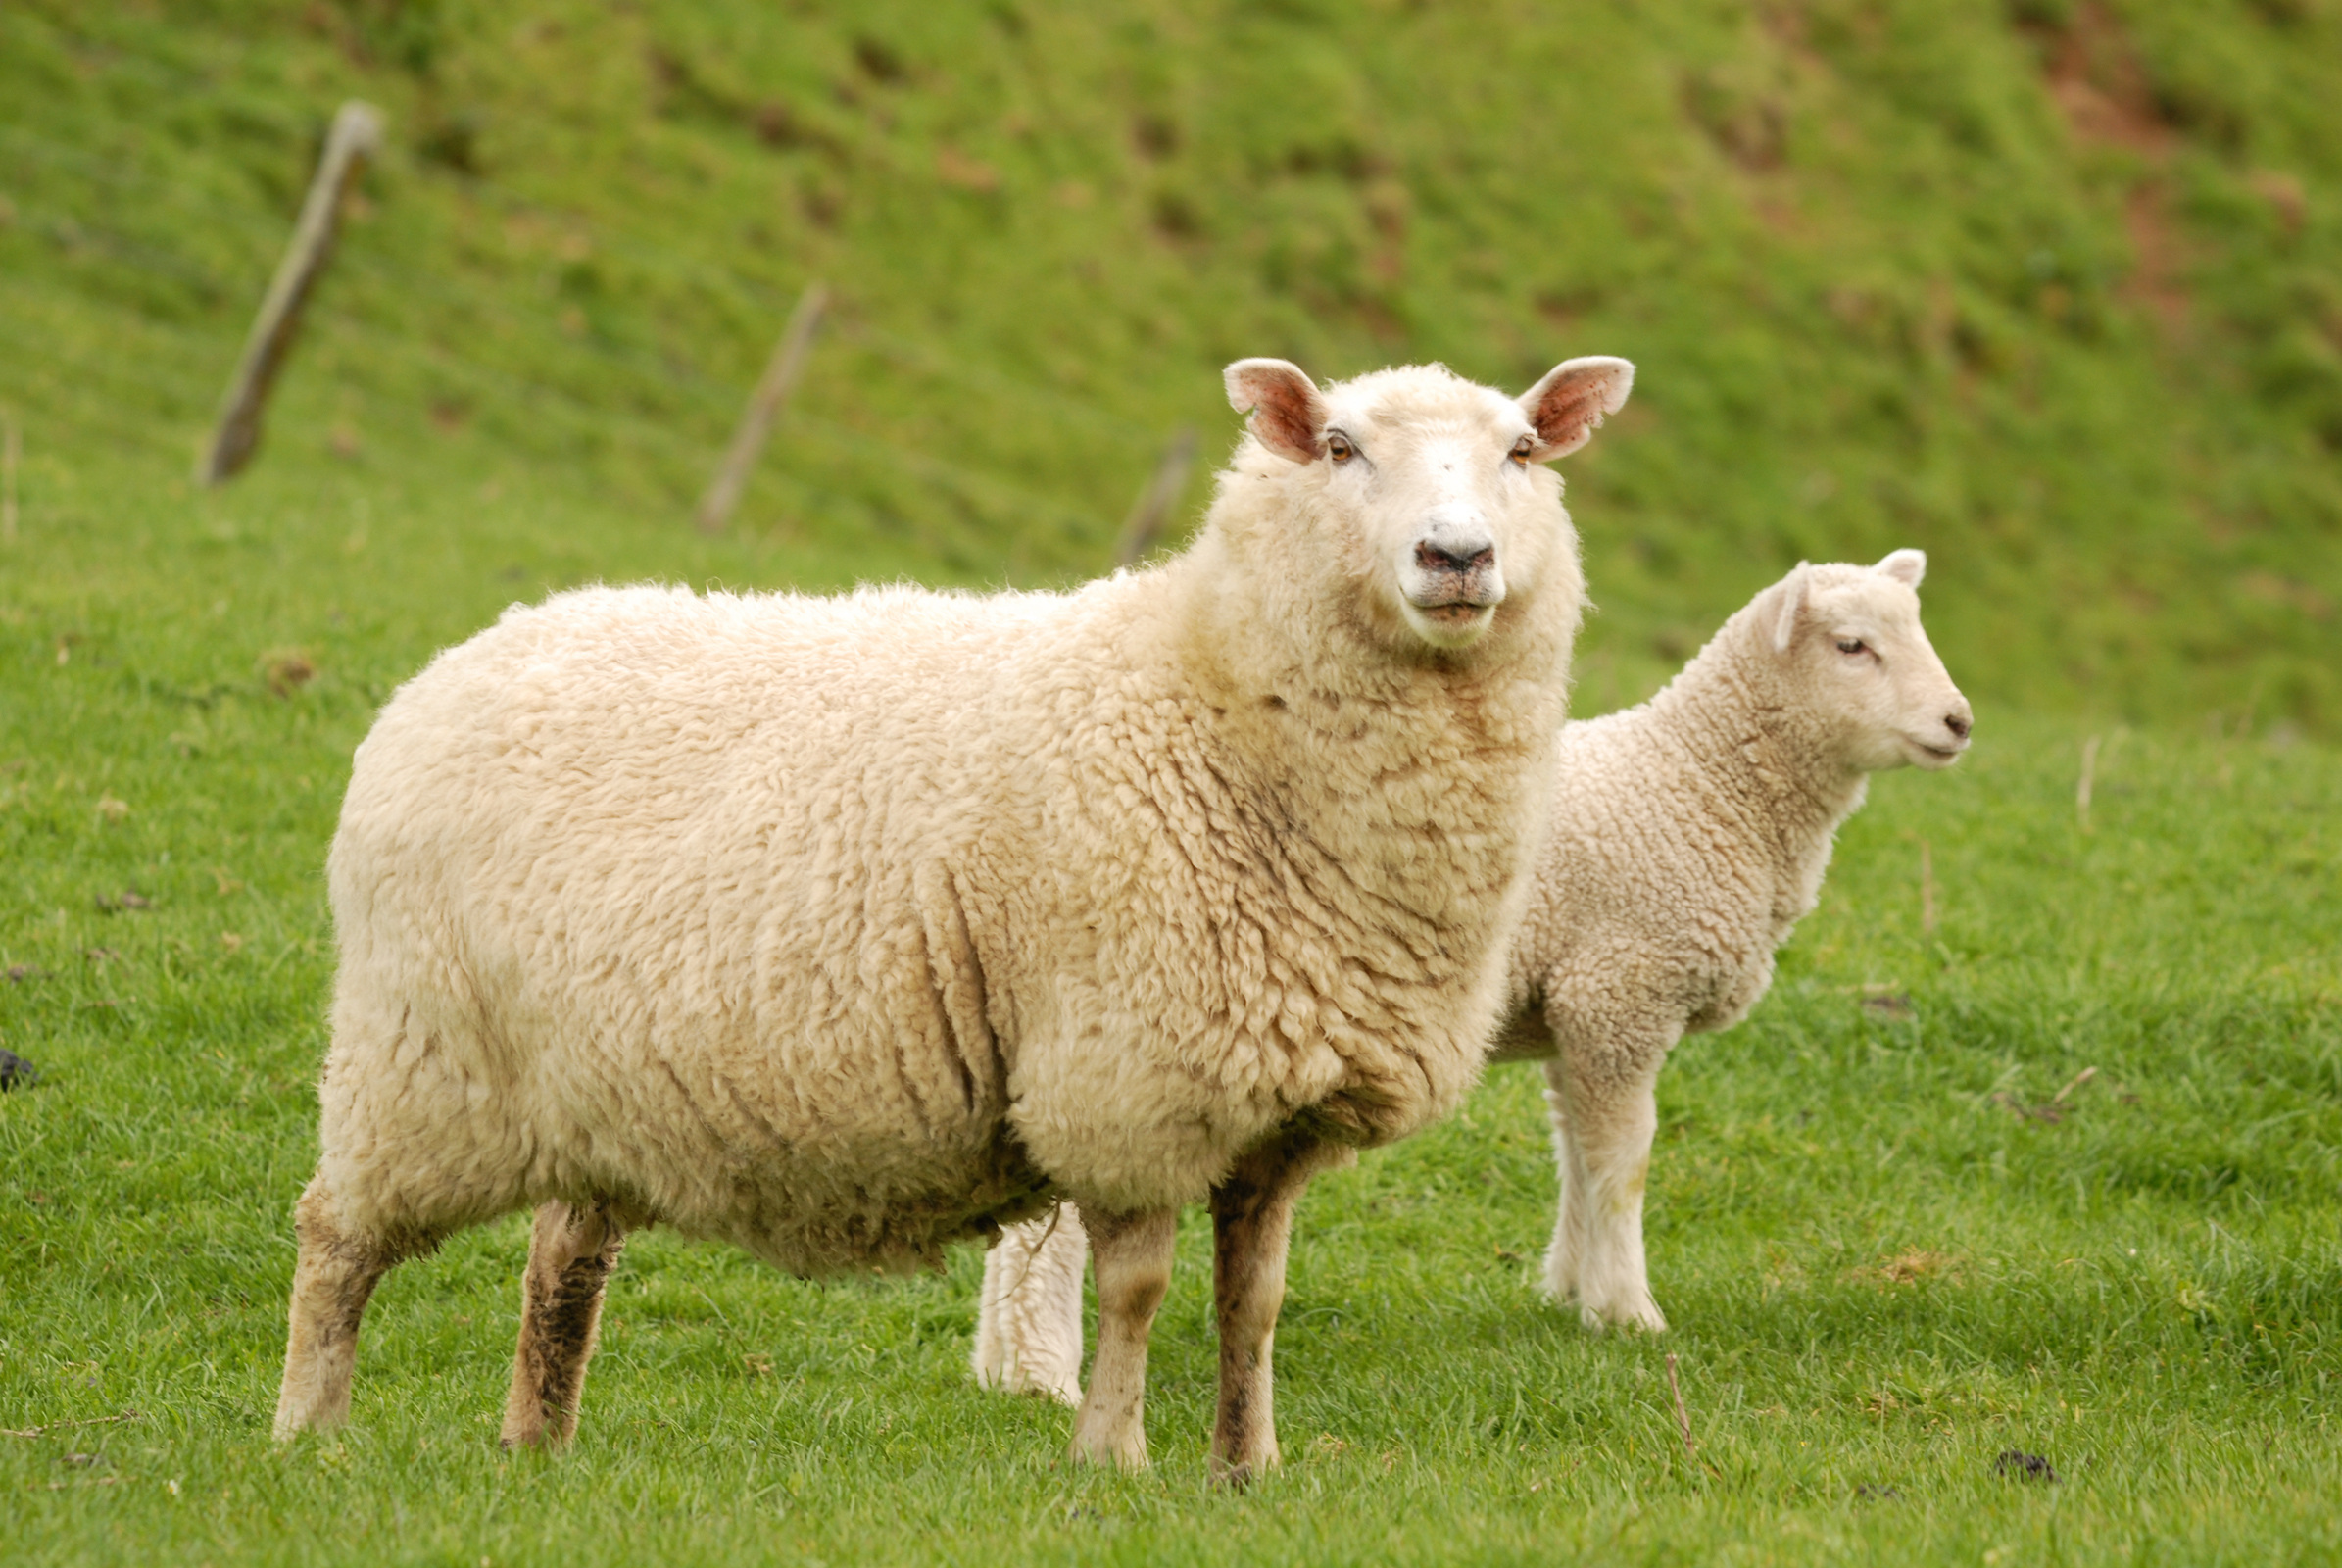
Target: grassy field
2048 292
1883 1272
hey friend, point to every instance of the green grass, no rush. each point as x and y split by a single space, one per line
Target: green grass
2142 1291
1881 294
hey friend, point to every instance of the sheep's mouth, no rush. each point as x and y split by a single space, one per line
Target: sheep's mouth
1936 756
1455 612
1449 623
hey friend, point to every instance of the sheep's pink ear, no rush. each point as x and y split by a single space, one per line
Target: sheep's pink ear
1791 605
1288 415
1565 407
1906 567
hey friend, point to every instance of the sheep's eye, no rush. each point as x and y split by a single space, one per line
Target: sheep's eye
1521 451
1851 645
1339 447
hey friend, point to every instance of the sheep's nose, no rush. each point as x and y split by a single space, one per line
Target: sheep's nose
1455 555
1958 723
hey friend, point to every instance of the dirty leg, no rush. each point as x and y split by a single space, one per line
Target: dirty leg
1132 1257
336 1273
1251 1225
570 1255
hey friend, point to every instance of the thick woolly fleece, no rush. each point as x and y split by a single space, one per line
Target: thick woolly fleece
843 928
1690 836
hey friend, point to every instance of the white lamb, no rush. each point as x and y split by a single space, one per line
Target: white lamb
1690 836
843 929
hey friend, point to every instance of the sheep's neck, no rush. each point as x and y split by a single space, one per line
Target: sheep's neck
1310 710
1752 741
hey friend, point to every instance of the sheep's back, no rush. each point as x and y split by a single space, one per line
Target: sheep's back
649 880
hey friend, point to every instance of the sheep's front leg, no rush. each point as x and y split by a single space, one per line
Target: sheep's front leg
1252 1227
1028 1323
1131 1254
1604 1112
570 1256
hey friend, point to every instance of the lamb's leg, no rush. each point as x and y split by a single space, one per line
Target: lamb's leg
1132 1257
1603 1120
1028 1325
570 1255
337 1270
1252 1226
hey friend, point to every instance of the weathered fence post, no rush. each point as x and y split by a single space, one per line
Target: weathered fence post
765 406
12 451
357 132
1153 509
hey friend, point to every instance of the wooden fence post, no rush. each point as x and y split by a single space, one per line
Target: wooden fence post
765 406
1153 509
357 132
12 451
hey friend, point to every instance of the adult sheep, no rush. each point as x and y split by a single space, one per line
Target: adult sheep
845 928
1690 836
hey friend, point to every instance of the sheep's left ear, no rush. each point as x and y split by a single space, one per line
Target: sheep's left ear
1287 414
1565 407
1906 567
1792 605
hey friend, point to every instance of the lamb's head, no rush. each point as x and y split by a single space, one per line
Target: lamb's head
1421 489
1853 647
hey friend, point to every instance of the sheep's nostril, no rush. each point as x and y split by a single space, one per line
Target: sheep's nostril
1441 558
1957 723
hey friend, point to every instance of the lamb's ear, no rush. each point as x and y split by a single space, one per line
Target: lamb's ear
1791 605
1565 407
1906 567
1288 415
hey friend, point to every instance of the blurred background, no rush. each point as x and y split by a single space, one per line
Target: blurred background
2051 290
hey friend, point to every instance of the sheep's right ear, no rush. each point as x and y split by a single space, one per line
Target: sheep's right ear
1791 605
1288 415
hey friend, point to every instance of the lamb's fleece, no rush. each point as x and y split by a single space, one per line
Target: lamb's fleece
843 928
1690 836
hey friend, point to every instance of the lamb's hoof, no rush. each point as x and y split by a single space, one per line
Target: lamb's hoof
1639 1317
1067 1394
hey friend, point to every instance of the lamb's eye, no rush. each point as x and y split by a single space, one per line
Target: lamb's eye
1852 645
1521 451
1339 447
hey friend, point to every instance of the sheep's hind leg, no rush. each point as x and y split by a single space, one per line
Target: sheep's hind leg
1028 1325
570 1255
1132 1257
1602 1128
338 1267
1251 1228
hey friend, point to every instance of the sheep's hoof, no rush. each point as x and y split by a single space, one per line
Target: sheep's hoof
1238 1477
1118 1455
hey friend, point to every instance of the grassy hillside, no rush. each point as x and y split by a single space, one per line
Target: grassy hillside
2050 291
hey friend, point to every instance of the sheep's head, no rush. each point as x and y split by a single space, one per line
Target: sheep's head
1851 639
1429 489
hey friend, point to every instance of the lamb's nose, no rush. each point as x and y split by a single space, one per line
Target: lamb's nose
1958 723
1458 557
